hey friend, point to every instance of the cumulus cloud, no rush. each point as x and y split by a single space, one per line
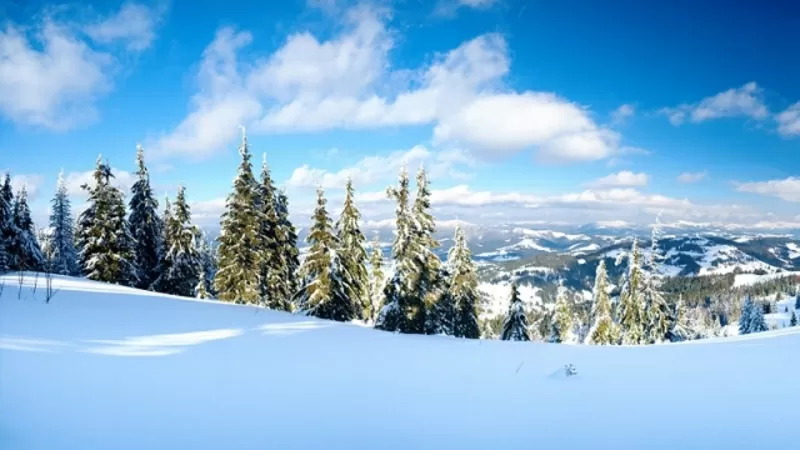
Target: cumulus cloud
31 182
691 177
624 178
789 121
51 77
744 101
621 114
74 180
312 85
133 25
787 189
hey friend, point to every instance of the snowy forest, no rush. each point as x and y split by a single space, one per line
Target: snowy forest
256 261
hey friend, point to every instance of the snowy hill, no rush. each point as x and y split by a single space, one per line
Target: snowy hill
104 367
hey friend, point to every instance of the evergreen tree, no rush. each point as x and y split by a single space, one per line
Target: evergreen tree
604 330
239 253
427 284
353 253
104 239
208 264
271 270
793 322
325 289
515 326
656 310
797 302
680 330
26 254
632 317
146 226
463 287
562 319
377 280
201 289
178 270
287 249
8 231
752 318
63 257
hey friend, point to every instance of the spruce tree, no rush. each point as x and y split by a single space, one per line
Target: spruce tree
604 331
63 257
427 284
201 289
8 231
105 241
515 326
271 270
239 252
632 317
287 249
752 318
353 253
562 319
146 226
325 290
793 321
178 270
463 287
208 263
680 330
656 310
26 254
377 279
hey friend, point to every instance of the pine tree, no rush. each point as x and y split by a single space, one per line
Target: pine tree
562 319
463 287
63 257
680 330
377 279
604 331
515 326
104 239
752 318
793 322
353 253
324 292
271 270
656 309
631 308
426 285
287 249
178 270
26 254
239 253
8 230
146 226
208 263
201 289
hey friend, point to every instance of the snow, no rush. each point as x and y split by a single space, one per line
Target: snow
527 243
794 250
577 249
497 295
748 279
550 234
189 374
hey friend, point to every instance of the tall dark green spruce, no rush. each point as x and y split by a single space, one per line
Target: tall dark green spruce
428 285
632 314
62 258
353 253
146 226
8 230
239 253
178 271
463 287
515 326
25 251
377 279
287 249
270 234
104 239
325 290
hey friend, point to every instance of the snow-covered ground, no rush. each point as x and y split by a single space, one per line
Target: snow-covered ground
103 367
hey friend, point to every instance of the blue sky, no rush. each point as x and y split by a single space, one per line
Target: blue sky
522 111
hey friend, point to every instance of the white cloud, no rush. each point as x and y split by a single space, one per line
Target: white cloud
744 101
621 179
310 85
621 114
691 177
787 189
50 77
122 179
789 121
373 169
133 24
30 182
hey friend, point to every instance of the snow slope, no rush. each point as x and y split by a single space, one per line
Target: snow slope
103 367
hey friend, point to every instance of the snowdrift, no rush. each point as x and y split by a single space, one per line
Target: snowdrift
105 367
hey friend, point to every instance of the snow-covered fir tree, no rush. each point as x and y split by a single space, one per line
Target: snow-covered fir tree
208 262
271 270
104 239
377 279
201 289
463 287
656 309
147 227
515 326
239 253
62 255
680 329
8 231
752 318
427 284
26 254
287 249
353 253
793 321
178 269
603 331
325 289
562 319
632 317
